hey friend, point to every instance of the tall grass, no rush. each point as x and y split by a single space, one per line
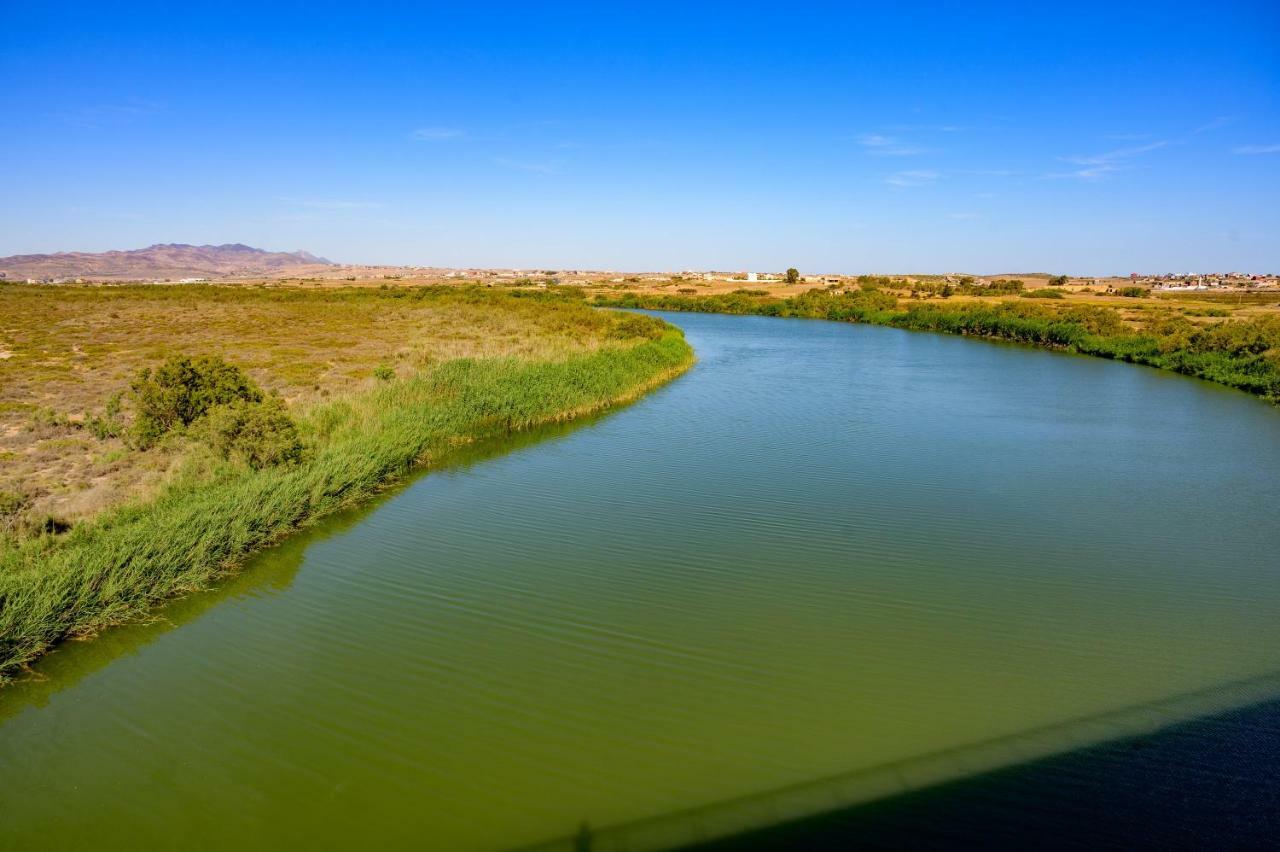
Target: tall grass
1243 354
116 567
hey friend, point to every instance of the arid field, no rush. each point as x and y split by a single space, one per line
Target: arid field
67 350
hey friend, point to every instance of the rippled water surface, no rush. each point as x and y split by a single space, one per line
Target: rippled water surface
828 548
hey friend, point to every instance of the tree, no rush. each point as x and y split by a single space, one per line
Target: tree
261 433
1058 281
181 390
793 275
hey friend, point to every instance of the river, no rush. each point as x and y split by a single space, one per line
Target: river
830 563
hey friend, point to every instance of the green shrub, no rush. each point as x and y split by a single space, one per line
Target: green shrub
181 390
108 425
1133 292
874 282
1003 287
637 325
49 418
1044 293
384 373
259 433
1095 319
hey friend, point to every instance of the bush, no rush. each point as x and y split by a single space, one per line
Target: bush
182 390
874 282
1004 287
1133 292
1095 320
637 325
109 425
1045 293
259 433
384 373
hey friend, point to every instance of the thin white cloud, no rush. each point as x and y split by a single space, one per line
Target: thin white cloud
1256 149
886 146
913 177
1220 121
1091 173
1095 167
1098 166
1111 157
437 134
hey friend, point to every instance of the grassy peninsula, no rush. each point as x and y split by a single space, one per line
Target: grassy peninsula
1241 353
358 387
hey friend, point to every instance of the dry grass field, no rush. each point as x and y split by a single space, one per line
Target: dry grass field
65 351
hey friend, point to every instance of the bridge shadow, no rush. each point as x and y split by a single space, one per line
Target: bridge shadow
1209 784
1200 770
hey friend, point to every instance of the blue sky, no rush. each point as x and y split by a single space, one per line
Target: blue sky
1082 138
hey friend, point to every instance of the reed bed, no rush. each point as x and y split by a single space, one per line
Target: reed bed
1239 353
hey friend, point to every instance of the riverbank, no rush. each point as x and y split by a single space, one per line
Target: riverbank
118 564
1242 353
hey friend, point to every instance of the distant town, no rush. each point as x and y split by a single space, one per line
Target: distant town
1171 282
180 263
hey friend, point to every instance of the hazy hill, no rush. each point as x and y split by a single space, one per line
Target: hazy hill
169 260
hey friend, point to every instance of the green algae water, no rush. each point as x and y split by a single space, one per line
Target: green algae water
830 563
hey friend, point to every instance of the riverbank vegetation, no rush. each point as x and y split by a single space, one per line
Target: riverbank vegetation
224 418
1240 353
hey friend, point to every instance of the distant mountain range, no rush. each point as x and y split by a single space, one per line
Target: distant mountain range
168 260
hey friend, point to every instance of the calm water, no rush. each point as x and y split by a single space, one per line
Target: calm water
827 550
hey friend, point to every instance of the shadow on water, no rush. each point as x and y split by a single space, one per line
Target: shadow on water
1197 770
1212 783
268 572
